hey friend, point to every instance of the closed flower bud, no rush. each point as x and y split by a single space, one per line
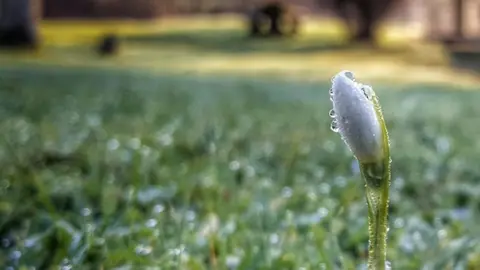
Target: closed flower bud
357 117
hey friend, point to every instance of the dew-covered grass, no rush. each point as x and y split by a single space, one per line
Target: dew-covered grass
122 170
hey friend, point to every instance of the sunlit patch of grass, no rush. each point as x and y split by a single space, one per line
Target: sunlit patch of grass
219 45
68 32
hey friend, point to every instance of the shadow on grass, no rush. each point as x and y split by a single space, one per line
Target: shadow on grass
233 42
466 60
464 54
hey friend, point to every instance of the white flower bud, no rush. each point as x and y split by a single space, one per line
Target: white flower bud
357 117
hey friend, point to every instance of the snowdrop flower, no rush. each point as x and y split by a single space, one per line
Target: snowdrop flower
357 117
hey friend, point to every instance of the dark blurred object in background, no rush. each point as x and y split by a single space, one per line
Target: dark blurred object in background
98 9
109 45
362 17
274 18
17 23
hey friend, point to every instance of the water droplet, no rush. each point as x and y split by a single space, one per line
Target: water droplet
135 143
165 139
66 265
177 251
442 234
232 261
398 223
349 75
367 91
190 216
312 196
443 145
275 252
89 228
250 171
355 167
15 255
99 242
234 165
274 239
159 208
330 91
340 181
4 184
143 250
331 113
319 173
145 150
6 243
322 212
94 121
113 144
324 188
230 227
334 126
151 223
86 212
287 192
460 213
417 236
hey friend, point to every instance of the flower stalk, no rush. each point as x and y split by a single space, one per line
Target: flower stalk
358 118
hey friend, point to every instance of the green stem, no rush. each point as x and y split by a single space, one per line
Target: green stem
377 179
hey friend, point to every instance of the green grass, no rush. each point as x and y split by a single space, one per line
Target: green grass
128 169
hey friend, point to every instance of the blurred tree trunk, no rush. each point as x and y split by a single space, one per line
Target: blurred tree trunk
363 16
458 13
17 25
274 19
168 7
196 6
367 22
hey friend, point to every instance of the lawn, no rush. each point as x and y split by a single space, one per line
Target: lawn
160 159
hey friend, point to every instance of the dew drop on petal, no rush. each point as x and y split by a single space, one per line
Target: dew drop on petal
334 126
350 75
331 113
367 91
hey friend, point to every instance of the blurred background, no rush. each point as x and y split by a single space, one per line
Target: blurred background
195 134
